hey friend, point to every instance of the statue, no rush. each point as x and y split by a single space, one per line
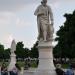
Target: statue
44 21
45 30
13 46
12 56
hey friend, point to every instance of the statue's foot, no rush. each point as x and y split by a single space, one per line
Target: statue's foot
45 40
41 39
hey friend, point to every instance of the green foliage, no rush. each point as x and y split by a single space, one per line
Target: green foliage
7 53
34 64
4 53
1 51
66 38
34 51
65 66
21 63
27 52
21 52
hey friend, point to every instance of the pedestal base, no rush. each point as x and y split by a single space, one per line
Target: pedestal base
45 72
46 66
12 62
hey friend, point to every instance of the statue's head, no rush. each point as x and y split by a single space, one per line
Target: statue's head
44 2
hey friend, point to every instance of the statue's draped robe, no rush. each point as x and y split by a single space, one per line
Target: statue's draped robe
44 21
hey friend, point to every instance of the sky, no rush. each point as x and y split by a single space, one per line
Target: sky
17 19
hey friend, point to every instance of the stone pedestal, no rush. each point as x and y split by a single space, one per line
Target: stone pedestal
12 62
46 66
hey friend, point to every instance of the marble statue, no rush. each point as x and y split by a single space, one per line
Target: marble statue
13 46
12 56
45 30
44 21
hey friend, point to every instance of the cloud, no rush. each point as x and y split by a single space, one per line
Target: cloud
9 24
56 4
6 40
14 5
29 43
9 5
5 18
10 20
22 22
9 38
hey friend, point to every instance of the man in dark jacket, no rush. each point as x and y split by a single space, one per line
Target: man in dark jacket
58 70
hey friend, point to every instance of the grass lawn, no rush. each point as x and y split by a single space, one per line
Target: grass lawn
65 66
33 64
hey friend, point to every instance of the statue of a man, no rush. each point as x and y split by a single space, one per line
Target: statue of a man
45 21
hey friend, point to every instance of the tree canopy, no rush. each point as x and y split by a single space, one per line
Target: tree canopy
66 38
34 51
21 52
1 51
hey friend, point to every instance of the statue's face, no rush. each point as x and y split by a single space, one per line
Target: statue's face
44 2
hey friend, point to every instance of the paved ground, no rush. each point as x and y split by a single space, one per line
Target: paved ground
31 71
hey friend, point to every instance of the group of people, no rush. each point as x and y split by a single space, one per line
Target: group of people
27 64
14 71
3 69
60 71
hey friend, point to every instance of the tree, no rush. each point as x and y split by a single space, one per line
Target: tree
21 52
7 53
34 51
57 51
66 38
1 51
26 52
